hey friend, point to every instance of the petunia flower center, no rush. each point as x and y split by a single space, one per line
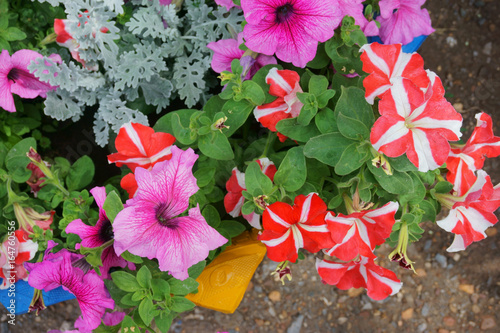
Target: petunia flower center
284 12
13 75
106 231
163 216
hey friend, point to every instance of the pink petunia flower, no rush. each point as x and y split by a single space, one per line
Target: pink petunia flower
471 213
362 273
385 63
291 29
226 3
402 20
60 269
226 50
97 235
464 160
360 232
233 200
22 249
139 145
416 123
150 225
284 84
288 229
355 9
16 79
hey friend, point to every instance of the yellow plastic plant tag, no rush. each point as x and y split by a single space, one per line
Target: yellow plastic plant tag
224 281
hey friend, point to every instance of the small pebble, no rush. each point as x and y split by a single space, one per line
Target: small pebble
296 325
449 321
488 323
425 310
441 260
476 308
342 320
468 288
275 296
407 314
488 48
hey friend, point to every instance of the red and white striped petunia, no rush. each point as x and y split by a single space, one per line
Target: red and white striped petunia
14 251
288 229
65 39
472 213
417 123
362 273
233 201
140 146
385 63
358 233
464 160
284 84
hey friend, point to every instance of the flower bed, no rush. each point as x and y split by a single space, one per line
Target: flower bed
362 158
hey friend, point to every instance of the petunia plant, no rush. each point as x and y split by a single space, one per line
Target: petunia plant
304 138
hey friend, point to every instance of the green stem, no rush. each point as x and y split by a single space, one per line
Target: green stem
270 140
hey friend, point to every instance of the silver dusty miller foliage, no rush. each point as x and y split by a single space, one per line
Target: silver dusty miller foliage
147 54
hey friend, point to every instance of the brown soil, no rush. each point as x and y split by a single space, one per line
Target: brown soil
451 293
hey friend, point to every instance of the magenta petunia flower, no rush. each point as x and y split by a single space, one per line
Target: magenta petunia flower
16 79
95 236
291 29
150 225
403 20
60 269
355 9
226 3
226 50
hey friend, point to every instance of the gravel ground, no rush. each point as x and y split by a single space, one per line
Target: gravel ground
450 293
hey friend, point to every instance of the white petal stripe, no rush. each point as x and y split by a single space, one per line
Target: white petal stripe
395 132
259 113
277 219
135 138
278 79
277 241
306 208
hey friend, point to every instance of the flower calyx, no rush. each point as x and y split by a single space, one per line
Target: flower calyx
283 271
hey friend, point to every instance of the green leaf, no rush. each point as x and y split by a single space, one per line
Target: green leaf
290 128
237 114
125 281
326 121
182 288
292 172
321 59
325 97
129 325
127 300
16 160
4 45
161 289
443 187
397 183
318 84
416 193
93 255
401 163
429 211
144 277
12 34
233 228
327 148
181 304
131 257
195 270
164 321
80 174
112 205
211 215
354 115
257 183
146 310
253 92
184 135
165 123
248 208
204 176
353 157
216 145
309 109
